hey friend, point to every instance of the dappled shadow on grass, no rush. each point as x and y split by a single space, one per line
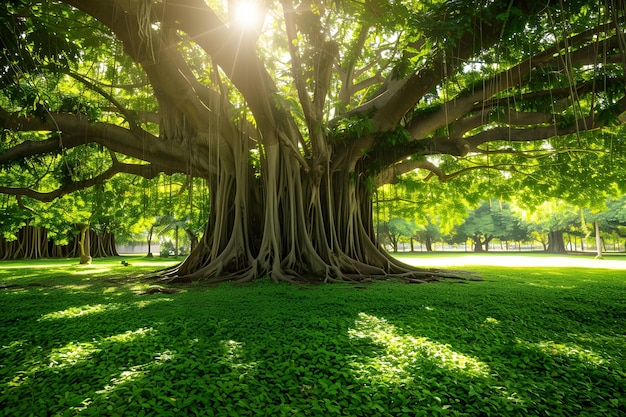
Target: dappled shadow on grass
496 347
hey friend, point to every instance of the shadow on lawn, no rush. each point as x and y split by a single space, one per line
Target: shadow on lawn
263 349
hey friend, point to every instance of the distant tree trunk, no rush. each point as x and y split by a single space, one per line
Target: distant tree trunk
598 241
176 250
103 244
556 243
429 244
487 241
478 244
85 246
150 241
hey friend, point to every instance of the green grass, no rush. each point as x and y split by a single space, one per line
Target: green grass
524 342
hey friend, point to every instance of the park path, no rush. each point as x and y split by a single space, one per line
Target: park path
515 261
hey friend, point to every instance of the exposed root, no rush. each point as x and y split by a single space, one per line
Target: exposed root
158 289
334 274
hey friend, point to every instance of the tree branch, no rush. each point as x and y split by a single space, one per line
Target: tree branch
147 171
477 99
76 130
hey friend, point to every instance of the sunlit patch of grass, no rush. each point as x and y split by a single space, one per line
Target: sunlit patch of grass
130 335
126 376
71 353
79 311
145 303
91 271
545 285
13 345
233 355
132 373
402 353
88 309
571 350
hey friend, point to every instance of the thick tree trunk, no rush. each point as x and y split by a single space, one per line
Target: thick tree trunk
478 244
556 243
290 225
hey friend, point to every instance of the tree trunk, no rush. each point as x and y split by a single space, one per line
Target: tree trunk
487 241
33 243
289 224
598 241
429 244
556 243
85 245
478 245
149 255
176 250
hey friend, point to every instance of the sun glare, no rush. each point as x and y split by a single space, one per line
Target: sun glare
247 14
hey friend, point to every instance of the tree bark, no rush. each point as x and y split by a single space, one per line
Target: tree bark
478 244
85 245
290 225
598 241
149 255
556 243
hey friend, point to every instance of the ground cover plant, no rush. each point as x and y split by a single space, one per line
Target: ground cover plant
77 340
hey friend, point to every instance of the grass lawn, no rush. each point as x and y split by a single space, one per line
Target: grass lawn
79 340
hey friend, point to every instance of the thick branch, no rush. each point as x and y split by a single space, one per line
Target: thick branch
526 135
347 73
146 171
117 105
477 99
76 130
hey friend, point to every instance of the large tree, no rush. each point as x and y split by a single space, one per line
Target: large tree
292 119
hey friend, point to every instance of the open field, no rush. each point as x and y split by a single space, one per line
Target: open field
526 341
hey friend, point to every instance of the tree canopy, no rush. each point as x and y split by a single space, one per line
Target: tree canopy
294 118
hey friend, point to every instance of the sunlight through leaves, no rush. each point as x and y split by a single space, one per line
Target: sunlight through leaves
402 354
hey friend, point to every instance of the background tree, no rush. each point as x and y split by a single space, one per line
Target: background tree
294 120
549 221
488 221
397 229
434 207
613 219
429 234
